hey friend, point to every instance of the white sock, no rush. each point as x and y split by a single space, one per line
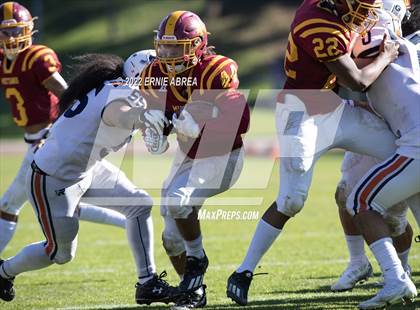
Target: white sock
264 237
102 216
31 257
356 247
387 257
195 247
7 230
403 256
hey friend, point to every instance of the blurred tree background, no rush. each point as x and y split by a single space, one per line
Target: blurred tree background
252 33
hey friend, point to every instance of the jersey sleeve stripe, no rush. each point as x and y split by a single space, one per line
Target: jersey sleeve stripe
29 54
318 21
37 55
171 22
327 30
150 87
143 75
217 71
209 66
177 94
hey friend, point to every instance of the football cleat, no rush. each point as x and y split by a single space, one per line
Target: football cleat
352 276
395 291
194 273
381 280
7 292
238 286
155 290
196 299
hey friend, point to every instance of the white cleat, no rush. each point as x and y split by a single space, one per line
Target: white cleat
381 280
351 276
395 291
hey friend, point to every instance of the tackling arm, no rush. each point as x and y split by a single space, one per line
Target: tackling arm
351 76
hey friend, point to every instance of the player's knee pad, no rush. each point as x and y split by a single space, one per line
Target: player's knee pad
290 205
66 229
397 224
11 206
143 208
172 243
341 195
178 203
65 252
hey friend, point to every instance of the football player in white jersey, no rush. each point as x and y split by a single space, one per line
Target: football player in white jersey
101 113
354 166
19 28
392 181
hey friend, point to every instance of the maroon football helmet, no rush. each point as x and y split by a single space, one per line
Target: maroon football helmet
16 28
181 41
359 15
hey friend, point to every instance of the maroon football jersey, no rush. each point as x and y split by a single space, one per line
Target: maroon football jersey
214 79
22 81
316 36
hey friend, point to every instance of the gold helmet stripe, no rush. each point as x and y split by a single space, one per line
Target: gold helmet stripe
171 22
8 10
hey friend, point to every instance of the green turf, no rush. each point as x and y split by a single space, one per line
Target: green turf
306 259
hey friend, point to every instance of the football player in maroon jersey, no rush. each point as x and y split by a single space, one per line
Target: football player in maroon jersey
31 81
318 58
197 89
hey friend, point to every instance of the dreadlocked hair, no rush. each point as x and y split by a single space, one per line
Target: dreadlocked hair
90 71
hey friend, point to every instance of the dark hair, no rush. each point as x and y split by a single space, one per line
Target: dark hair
413 23
90 71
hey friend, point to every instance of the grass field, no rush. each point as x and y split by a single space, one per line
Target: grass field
306 259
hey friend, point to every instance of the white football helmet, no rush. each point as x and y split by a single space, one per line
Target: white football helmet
135 64
399 8
390 19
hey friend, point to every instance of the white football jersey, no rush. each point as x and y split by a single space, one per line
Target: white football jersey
395 96
79 138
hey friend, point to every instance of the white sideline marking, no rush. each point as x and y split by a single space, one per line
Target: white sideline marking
71 272
97 307
211 267
212 201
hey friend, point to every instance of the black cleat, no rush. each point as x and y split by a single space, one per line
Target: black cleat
238 286
196 299
156 290
194 273
7 292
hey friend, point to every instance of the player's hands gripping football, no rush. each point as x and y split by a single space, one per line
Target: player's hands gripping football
186 125
389 49
153 123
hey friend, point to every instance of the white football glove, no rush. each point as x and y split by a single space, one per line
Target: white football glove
155 141
153 123
154 118
186 125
